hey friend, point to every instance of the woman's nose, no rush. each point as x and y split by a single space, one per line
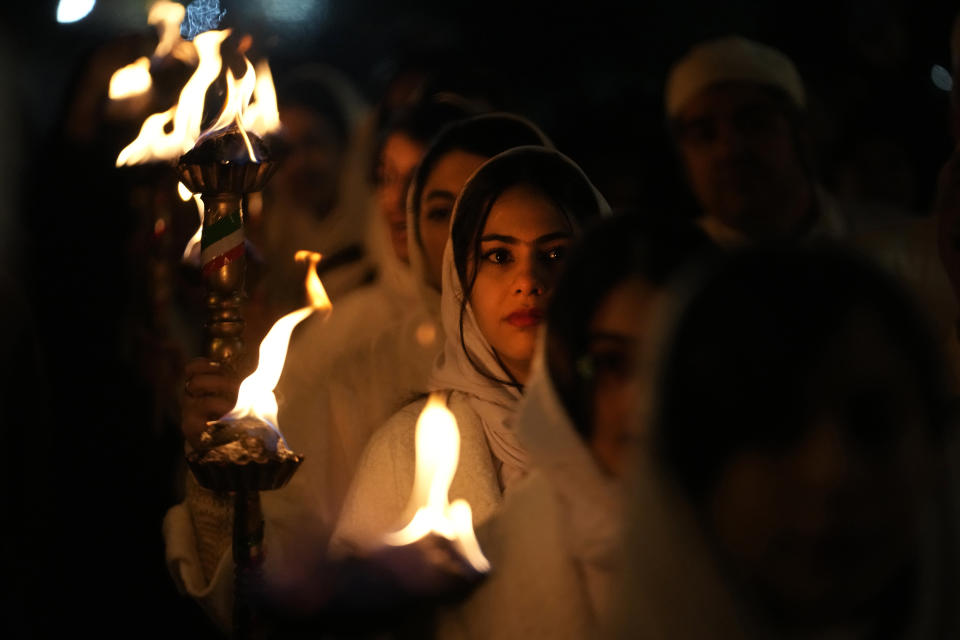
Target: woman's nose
529 280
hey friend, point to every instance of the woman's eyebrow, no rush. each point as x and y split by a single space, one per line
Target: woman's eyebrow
440 193
491 237
556 235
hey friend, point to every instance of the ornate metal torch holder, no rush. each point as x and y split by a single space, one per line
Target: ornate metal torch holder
221 170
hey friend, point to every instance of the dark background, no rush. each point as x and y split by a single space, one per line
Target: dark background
90 460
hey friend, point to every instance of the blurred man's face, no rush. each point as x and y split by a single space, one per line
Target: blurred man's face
742 160
823 527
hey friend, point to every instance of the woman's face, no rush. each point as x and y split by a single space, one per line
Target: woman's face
522 246
310 173
440 191
398 159
616 331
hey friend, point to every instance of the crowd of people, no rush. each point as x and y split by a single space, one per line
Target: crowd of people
730 414
735 426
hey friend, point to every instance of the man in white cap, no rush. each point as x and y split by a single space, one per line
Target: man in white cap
737 112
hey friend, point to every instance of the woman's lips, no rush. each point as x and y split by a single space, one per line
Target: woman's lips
525 318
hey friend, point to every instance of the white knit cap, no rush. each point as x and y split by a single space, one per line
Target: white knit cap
731 59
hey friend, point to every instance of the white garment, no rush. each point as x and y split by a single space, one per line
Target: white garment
829 225
377 502
555 543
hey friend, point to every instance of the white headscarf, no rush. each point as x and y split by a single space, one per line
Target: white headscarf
507 130
478 373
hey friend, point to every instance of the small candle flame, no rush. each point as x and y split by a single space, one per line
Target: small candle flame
256 397
438 453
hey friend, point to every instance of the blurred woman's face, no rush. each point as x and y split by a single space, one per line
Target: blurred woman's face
522 246
310 173
823 526
616 331
398 159
440 191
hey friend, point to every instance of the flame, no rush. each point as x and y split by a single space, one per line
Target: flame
131 80
159 141
191 254
262 116
154 143
438 453
232 111
255 397
166 17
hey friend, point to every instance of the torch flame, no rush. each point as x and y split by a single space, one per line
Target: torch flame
131 80
237 97
262 116
154 143
255 397
166 17
438 453
157 141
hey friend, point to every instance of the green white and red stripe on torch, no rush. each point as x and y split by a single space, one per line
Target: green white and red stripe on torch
222 242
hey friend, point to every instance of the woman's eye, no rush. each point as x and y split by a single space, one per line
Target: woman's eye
555 254
439 214
497 256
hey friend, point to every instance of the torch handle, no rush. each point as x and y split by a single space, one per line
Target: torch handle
224 266
247 560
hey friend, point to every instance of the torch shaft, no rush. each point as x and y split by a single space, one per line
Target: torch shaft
247 559
224 266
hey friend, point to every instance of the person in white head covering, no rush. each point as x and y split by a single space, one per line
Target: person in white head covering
555 544
792 478
736 110
370 383
510 229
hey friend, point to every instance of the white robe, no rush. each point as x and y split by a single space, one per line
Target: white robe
554 546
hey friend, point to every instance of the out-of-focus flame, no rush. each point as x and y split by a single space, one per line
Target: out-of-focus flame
154 143
191 254
131 80
438 453
167 135
262 116
238 95
166 17
255 397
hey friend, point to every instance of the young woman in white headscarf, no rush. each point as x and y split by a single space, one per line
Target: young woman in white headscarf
555 545
371 383
796 477
511 228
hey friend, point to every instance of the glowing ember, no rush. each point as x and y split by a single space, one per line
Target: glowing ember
438 453
131 80
256 397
